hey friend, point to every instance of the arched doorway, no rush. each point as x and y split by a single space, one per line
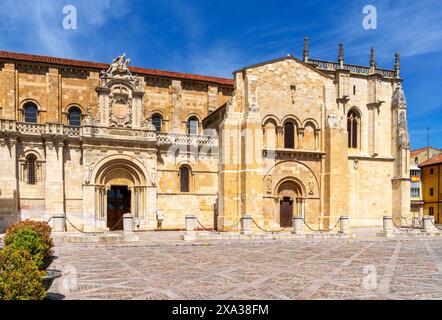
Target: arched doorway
289 197
120 189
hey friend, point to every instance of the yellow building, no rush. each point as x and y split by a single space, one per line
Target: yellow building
92 142
432 187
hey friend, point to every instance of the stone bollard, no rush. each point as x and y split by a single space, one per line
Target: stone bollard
59 223
190 234
429 224
298 225
388 224
246 224
343 224
128 222
387 230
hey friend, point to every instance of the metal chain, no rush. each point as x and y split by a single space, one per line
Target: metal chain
112 229
400 228
319 230
268 230
435 225
206 229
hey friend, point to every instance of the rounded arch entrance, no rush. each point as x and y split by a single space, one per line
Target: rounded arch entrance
120 188
291 200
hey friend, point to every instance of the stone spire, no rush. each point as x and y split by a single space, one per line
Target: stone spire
306 51
341 56
397 64
372 58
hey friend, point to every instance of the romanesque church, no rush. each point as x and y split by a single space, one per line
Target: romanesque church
93 141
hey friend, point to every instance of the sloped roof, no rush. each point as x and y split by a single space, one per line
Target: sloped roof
6 55
282 59
437 159
414 153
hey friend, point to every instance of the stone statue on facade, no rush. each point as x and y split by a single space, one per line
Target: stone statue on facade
119 66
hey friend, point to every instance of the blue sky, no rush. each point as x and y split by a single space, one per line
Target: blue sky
217 37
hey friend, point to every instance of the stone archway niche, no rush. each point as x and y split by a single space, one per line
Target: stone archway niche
120 173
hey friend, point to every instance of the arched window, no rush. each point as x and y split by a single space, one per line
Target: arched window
353 123
184 179
157 121
74 116
30 110
31 169
289 135
192 125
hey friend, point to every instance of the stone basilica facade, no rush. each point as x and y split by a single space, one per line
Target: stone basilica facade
285 137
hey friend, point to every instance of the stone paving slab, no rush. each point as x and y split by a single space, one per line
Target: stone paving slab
370 268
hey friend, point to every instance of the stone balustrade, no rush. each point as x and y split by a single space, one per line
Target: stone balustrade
35 129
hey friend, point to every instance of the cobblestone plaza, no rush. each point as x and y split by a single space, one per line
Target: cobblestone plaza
374 268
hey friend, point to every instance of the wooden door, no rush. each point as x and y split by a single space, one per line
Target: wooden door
118 203
286 212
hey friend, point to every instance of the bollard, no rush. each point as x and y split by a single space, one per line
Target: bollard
429 224
387 227
298 223
128 222
190 234
246 224
190 223
343 224
388 223
59 223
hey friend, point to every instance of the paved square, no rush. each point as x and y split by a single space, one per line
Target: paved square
315 269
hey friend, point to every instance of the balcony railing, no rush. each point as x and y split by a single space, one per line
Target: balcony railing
35 129
333 66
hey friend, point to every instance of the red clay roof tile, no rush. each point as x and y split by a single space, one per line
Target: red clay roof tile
6 55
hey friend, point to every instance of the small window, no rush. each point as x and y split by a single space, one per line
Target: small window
354 90
31 169
431 171
30 110
157 121
184 179
289 135
74 116
431 191
431 211
192 125
353 123
415 160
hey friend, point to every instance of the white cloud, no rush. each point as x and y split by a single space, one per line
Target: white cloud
36 26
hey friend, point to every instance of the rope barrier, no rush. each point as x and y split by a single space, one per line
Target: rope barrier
112 229
253 220
203 226
319 230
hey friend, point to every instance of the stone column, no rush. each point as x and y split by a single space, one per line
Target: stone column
54 184
89 217
8 183
279 137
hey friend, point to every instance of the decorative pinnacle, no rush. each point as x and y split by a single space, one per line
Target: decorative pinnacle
306 50
372 58
397 64
341 55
